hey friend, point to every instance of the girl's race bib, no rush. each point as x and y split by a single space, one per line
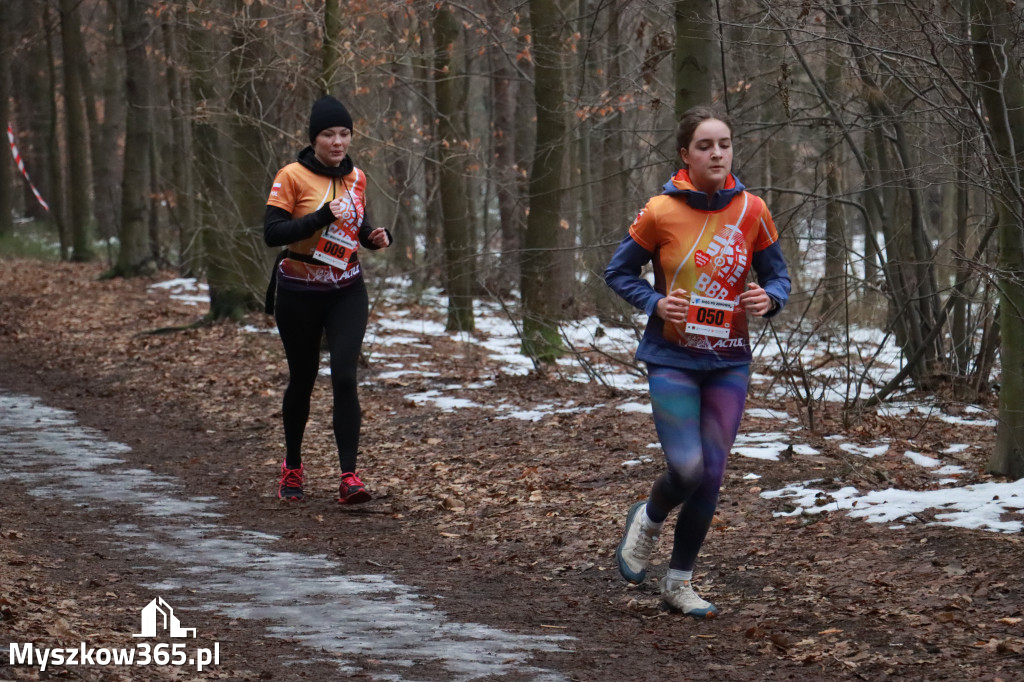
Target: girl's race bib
709 317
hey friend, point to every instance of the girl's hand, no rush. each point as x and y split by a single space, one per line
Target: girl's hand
379 237
755 300
673 308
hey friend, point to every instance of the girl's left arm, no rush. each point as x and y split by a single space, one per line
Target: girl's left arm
772 275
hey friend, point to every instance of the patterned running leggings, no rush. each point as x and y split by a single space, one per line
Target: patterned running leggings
697 415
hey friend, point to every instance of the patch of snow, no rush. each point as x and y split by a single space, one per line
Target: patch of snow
922 460
974 506
865 450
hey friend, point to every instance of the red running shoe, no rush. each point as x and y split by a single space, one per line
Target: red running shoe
352 490
290 487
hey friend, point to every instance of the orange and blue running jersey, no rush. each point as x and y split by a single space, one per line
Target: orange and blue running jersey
708 247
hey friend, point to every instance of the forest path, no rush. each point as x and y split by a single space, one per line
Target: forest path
505 522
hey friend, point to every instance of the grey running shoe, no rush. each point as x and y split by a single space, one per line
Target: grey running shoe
681 597
634 552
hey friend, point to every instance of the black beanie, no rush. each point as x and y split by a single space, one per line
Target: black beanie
327 113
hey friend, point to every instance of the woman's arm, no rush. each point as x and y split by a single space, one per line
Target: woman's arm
366 229
280 229
623 276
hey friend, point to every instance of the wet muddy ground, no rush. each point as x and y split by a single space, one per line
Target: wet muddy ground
506 525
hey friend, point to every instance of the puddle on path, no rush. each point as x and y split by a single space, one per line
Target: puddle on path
303 597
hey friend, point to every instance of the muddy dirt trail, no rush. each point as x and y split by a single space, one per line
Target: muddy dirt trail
139 466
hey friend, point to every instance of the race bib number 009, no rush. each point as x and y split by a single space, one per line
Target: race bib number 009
335 248
709 317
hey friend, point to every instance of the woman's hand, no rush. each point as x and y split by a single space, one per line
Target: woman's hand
336 208
755 300
379 237
673 308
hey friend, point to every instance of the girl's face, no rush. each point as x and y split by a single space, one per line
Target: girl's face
331 145
709 156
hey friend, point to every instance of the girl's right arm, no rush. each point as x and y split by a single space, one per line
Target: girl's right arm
623 276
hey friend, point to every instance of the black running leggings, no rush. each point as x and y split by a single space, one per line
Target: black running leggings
302 318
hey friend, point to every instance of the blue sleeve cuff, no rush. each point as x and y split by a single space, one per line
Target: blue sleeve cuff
772 275
652 304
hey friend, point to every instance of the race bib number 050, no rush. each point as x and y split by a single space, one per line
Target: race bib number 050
709 317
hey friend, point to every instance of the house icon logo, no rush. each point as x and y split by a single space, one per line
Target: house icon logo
170 621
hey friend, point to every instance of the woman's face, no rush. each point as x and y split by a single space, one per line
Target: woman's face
709 155
331 145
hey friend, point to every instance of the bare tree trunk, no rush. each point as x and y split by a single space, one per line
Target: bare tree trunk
433 259
402 102
55 168
79 161
33 106
833 288
233 203
780 164
135 256
613 202
694 53
960 330
6 167
181 196
542 267
586 148
910 269
1002 93
450 86
504 132
332 56
106 136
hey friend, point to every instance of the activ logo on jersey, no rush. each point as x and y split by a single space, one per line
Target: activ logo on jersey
157 618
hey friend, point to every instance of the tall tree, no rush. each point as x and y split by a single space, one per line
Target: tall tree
331 54
33 104
6 167
107 133
450 87
54 166
135 254
77 140
694 53
1001 83
505 87
543 289
180 195
834 290
232 206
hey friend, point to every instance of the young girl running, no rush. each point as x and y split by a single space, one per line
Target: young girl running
702 234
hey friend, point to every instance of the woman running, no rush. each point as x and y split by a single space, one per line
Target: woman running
317 208
702 234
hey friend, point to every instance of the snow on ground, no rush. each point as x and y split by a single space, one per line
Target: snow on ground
185 289
978 506
870 355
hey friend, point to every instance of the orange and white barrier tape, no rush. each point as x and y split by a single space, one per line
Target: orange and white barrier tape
21 166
